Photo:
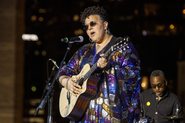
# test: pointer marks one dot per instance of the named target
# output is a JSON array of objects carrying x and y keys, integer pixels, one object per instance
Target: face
[
  {"x": 95, "y": 28},
  {"x": 158, "y": 85}
]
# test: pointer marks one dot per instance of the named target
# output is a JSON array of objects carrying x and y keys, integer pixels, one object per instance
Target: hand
[
  {"x": 72, "y": 85},
  {"x": 102, "y": 62}
]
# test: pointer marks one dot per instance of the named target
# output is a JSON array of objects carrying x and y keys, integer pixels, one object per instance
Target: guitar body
[{"x": 74, "y": 107}]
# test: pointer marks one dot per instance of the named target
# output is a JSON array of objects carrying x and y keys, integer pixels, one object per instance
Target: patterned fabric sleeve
[
  {"x": 129, "y": 81},
  {"x": 73, "y": 66}
]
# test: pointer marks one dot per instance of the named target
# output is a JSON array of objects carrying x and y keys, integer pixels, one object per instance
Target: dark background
[{"x": 156, "y": 28}]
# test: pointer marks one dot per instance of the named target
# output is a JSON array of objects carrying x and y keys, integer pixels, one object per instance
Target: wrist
[
  {"x": 63, "y": 80},
  {"x": 66, "y": 84}
]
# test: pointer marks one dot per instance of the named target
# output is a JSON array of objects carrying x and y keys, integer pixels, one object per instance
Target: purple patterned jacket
[{"x": 119, "y": 83}]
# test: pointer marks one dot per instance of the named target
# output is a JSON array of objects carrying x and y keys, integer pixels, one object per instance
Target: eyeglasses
[
  {"x": 91, "y": 24},
  {"x": 159, "y": 85}
]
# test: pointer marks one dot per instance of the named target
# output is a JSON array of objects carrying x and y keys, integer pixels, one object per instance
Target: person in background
[
  {"x": 115, "y": 73},
  {"x": 158, "y": 104}
]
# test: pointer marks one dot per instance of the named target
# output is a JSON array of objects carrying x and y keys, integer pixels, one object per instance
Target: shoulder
[
  {"x": 173, "y": 95},
  {"x": 82, "y": 50},
  {"x": 85, "y": 47}
]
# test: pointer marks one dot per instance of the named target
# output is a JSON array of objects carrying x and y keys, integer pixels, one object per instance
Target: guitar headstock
[{"x": 121, "y": 45}]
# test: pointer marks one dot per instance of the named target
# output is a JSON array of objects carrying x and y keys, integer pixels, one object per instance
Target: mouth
[
  {"x": 158, "y": 93},
  {"x": 92, "y": 34}
]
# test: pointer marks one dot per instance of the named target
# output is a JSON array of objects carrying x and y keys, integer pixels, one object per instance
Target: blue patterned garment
[{"x": 119, "y": 84}]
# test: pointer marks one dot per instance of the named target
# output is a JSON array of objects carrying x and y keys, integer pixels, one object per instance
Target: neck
[
  {"x": 104, "y": 42},
  {"x": 158, "y": 98}
]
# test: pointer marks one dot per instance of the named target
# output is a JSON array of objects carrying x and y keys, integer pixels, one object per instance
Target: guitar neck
[
  {"x": 106, "y": 54},
  {"x": 93, "y": 68},
  {"x": 88, "y": 74}
]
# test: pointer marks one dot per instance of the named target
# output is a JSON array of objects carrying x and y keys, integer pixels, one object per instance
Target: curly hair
[{"x": 94, "y": 10}]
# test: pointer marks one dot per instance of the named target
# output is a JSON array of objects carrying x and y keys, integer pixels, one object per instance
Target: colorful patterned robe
[{"x": 119, "y": 84}]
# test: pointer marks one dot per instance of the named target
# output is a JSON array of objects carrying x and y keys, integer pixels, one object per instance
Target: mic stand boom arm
[{"x": 48, "y": 95}]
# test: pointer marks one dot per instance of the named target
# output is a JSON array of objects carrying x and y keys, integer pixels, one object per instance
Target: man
[
  {"x": 111, "y": 92},
  {"x": 158, "y": 104}
]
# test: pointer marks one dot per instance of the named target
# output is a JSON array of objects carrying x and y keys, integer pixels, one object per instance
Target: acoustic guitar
[{"x": 74, "y": 106}]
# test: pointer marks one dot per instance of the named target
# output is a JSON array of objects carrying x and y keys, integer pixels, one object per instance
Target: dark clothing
[{"x": 161, "y": 111}]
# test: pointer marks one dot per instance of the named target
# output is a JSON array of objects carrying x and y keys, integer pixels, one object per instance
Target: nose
[
  {"x": 157, "y": 88},
  {"x": 89, "y": 27}
]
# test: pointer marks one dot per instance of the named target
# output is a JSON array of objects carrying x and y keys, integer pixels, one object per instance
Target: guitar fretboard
[{"x": 118, "y": 45}]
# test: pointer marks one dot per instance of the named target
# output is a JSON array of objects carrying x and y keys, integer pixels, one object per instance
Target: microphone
[
  {"x": 72, "y": 39},
  {"x": 54, "y": 62}
]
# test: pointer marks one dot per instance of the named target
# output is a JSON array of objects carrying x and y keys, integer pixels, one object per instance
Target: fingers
[
  {"x": 73, "y": 87},
  {"x": 102, "y": 62},
  {"x": 74, "y": 79},
  {"x": 76, "y": 90}
]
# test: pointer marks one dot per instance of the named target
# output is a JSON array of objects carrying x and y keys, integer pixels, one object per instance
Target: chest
[{"x": 163, "y": 107}]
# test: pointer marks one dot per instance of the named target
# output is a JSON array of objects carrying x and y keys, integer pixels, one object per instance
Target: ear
[
  {"x": 106, "y": 25},
  {"x": 166, "y": 83}
]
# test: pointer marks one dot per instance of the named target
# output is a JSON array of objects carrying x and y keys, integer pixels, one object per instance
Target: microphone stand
[{"x": 49, "y": 88}]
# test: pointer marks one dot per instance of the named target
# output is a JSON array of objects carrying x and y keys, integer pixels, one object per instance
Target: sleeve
[
  {"x": 129, "y": 76},
  {"x": 73, "y": 65},
  {"x": 178, "y": 109},
  {"x": 71, "y": 68}
]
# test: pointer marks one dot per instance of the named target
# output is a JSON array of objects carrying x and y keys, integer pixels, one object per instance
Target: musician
[
  {"x": 117, "y": 75},
  {"x": 158, "y": 103}
]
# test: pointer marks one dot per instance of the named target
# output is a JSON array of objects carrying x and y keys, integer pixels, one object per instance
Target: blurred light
[
  {"x": 144, "y": 82},
  {"x": 136, "y": 12},
  {"x": 42, "y": 10},
  {"x": 33, "y": 88},
  {"x": 34, "y": 102},
  {"x": 36, "y": 52},
  {"x": 43, "y": 53},
  {"x": 183, "y": 11},
  {"x": 33, "y": 18},
  {"x": 41, "y": 19},
  {"x": 30, "y": 37},
  {"x": 151, "y": 9},
  {"x": 76, "y": 17},
  {"x": 160, "y": 28},
  {"x": 172, "y": 26},
  {"x": 172, "y": 29},
  {"x": 144, "y": 33},
  {"x": 78, "y": 32},
  {"x": 32, "y": 112},
  {"x": 34, "y": 120}
]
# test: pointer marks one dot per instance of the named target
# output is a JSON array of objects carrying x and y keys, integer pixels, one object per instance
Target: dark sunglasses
[
  {"x": 91, "y": 24},
  {"x": 160, "y": 85}
]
